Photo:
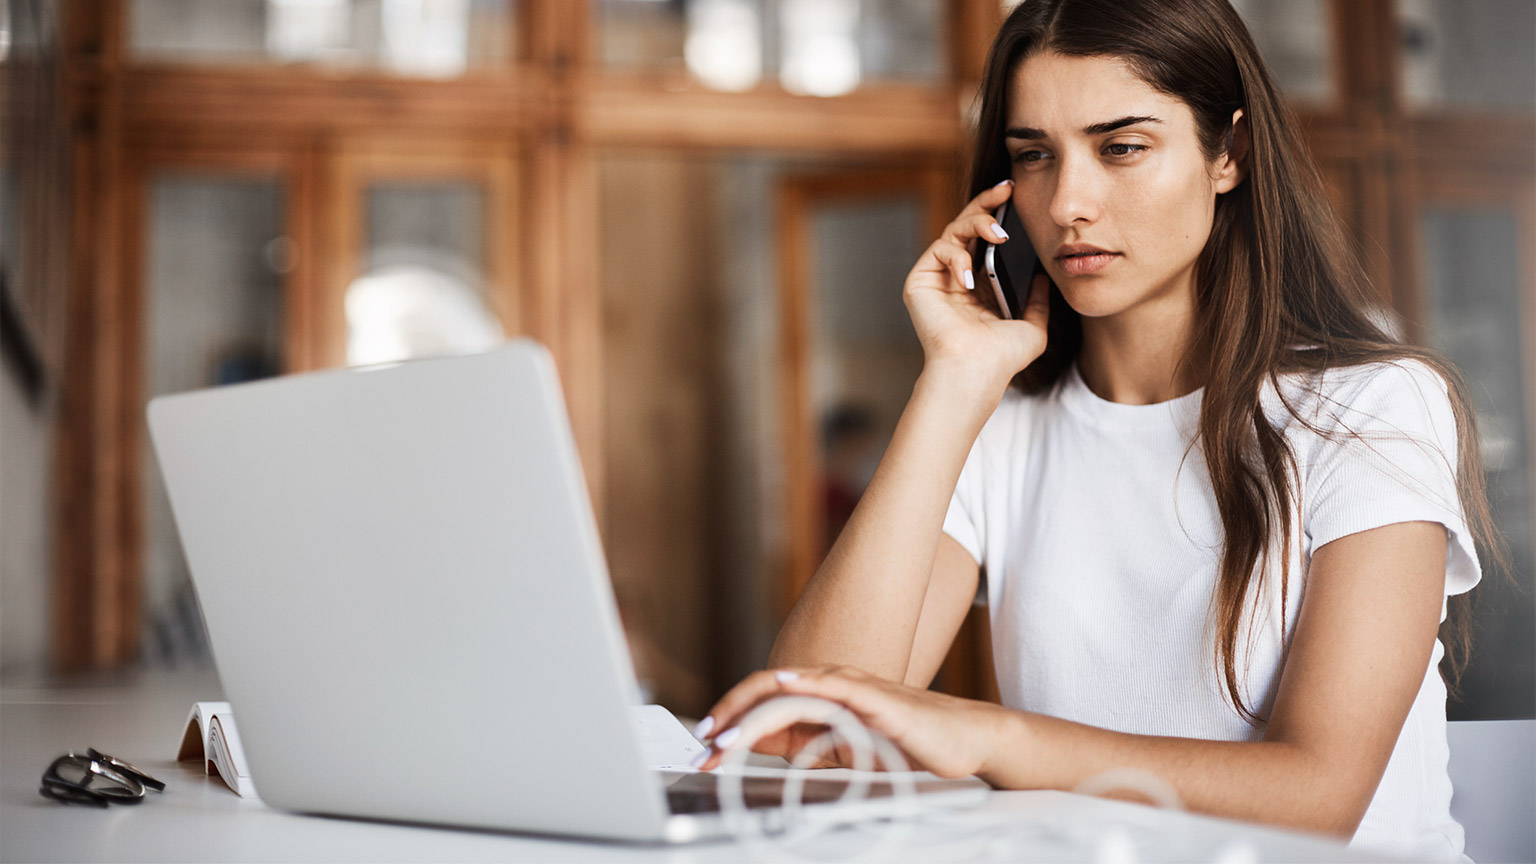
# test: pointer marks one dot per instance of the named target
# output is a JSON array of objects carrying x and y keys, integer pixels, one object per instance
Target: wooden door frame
[
  {"x": 967, "y": 670},
  {"x": 100, "y": 580},
  {"x": 1480, "y": 188},
  {"x": 351, "y": 164},
  {"x": 795, "y": 196},
  {"x": 553, "y": 105},
  {"x": 968, "y": 666},
  {"x": 314, "y": 329}
]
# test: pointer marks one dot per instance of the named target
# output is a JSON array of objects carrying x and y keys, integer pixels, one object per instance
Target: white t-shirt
[{"x": 1097, "y": 527}]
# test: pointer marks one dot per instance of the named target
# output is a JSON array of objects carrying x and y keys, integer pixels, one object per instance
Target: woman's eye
[
  {"x": 1028, "y": 157},
  {"x": 1123, "y": 150}
]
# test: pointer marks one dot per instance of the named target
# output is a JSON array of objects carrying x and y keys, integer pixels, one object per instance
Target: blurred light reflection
[
  {"x": 820, "y": 55},
  {"x": 402, "y": 312},
  {"x": 413, "y": 37},
  {"x": 724, "y": 48},
  {"x": 300, "y": 30},
  {"x": 426, "y": 37}
]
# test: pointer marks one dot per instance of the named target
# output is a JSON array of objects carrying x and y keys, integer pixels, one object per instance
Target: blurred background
[{"x": 704, "y": 207}]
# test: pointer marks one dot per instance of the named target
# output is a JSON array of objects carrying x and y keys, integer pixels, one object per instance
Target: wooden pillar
[
  {"x": 562, "y": 306},
  {"x": 302, "y": 346},
  {"x": 974, "y": 23},
  {"x": 1368, "y": 83},
  {"x": 96, "y": 598}
]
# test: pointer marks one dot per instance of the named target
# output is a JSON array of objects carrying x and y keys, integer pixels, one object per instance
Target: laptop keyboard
[{"x": 700, "y": 792}]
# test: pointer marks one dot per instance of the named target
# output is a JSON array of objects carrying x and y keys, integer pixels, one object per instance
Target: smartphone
[{"x": 1011, "y": 265}]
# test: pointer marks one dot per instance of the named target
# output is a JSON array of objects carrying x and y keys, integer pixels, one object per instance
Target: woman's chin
[
  {"x": 1094, "y": 300},
  {"x": 1093, "y": 297}
]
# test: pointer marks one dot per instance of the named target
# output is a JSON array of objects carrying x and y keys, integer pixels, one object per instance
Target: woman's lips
[{"x": 1083, "y": 265}]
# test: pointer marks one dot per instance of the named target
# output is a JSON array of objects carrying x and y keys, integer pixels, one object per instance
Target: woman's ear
[{"x": 1232, "y": 166}]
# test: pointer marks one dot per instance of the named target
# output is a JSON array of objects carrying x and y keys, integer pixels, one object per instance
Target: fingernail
[
  {"x": 727, "y": 738},
  {"x": 700, "y": 759},
  {"x": 998, "y": 232},
  {"x": 784, "y": 675},
  {"x": 970, "y": 281},
  {"x": 701, "y": 731},
  {"x": 1003, "y": 183}
]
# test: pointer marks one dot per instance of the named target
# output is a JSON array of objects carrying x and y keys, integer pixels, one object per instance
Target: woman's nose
[{"x": 1077, "y": 194}]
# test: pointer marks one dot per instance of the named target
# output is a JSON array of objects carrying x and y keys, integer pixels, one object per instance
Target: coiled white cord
[
  {"x": 947, "y": 835},
  {"x": 866, "y": 748}
]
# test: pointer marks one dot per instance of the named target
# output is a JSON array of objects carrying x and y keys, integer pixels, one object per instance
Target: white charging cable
[
  {"x": 867, "y": 748},
  {"x": 983, "y": 836}
]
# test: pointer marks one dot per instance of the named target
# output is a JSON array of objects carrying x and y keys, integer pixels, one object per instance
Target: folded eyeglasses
[{"x": 95, "y": 780}]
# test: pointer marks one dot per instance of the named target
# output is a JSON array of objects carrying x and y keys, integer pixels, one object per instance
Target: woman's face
[{"x": 1105, "y": 165}]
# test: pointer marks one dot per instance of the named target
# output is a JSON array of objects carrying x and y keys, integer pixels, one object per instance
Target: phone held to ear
[{"x": 1011, "y": 265}]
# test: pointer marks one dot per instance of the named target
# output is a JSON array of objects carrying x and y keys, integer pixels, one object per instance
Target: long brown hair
[{"x": 1275, "y": 274}]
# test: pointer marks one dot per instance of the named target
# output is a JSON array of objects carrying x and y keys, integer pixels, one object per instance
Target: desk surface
[{"x": 197, "y": 819}]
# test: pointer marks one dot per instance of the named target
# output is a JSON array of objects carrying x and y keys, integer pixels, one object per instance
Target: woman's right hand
[{"x": 955, "y": 329}]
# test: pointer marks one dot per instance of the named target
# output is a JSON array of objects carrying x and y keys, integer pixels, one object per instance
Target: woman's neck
[{"x": 1134, "y": 357}]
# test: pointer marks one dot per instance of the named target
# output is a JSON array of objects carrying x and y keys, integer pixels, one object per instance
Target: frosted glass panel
[
  {"x": 1472, "y": 283},
  {"x": 1468, "y": 52},
  {"x": 435, "y": 222},
  {"x": 213, "y": 313},
  {"x": 410, "y": 37},
  {"x": 695, "y": 517},
  {"x": 214, "y": 283},
  {"x": 814, "y": 47},
  {"x": 864, "y": 354},
  {"x": 905, "y": 40},
  {"x": 422, "y": 291},
  {"x": 1295, "y": 38}
]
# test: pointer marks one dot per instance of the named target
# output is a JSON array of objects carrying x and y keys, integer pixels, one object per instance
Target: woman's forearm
[
  {"x": 1273, "y": 782},
  {"x": 862, "y": 606}
]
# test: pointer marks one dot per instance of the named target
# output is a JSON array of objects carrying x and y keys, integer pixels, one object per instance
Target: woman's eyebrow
[{"x": 1030, "y": 133}]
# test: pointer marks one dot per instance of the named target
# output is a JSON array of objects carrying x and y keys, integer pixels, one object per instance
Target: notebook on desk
[{"x": 409, "y": 607}]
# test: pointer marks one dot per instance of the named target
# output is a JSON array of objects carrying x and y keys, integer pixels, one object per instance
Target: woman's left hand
[{"x": 946, "y": 735}]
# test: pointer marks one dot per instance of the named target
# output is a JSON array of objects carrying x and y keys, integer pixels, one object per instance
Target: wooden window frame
[
  {"x": 548, "y": 104},
  {"x": 554, "y": 110}
]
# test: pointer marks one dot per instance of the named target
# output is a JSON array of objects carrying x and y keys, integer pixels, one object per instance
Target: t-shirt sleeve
[
  {"x": 964, "y": 520},
  {"x": 1389, "y": 457}
]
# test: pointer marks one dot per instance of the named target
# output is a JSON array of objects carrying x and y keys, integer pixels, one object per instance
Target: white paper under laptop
[{"x": 407, "y": 601}]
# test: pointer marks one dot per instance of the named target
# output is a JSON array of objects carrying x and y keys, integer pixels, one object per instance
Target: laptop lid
[{"x": 406, "y": 597}]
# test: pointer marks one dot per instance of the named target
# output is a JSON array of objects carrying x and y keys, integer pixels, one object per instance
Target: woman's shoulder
[
  {"x": 1318, "y": 390},
  {"x": 1379, "y": 445},
  {"x": 1402, "y": 395}
]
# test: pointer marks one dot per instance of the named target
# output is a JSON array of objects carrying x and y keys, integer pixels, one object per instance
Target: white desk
[{"x": 197, "y": 819}]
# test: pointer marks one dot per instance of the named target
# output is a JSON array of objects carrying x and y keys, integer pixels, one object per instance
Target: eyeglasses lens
[
  {"x": 141, "y": 776},
  {"x": 73, "y": 771},
  {"x": 76, "y": 779}
]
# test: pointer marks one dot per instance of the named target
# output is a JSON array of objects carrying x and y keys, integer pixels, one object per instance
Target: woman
[{"x": 1219, "y": 511}]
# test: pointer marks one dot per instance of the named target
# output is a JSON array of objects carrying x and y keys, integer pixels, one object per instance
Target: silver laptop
[{"x": 409, "y": 607}]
